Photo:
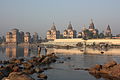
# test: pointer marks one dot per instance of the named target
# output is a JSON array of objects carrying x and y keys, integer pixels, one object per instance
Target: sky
[{"x": 39, "y": 15}]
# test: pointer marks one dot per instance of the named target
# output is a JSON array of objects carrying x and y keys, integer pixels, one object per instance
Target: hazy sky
[{"x": 38, "y": 15}]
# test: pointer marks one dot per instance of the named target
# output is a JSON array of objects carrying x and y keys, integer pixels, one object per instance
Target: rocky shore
[
  {"x": 109, "y": 71},
  {"x": 22, "y": 69}
]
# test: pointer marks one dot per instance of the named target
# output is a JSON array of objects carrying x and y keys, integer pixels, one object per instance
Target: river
[{"x": 70, "y": 58}]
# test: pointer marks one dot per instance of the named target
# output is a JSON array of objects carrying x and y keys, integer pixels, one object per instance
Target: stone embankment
[
  {"x": 21, "y": 69},
  {"x": 109, "y": 71}
]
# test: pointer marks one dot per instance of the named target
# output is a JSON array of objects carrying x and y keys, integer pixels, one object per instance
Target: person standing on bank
[
  {"x": 39, "y": 50},
  {"x": 45, "y": 50}
]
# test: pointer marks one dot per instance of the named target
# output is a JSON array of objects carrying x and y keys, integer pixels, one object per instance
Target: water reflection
[
  {"x": 2, "y": 49},
  {"x": 13, "y": 52},
  {"x": 79, "y": 58},
  {"x": 85, "y": 51},
  {"x": 26, "y": 51}
]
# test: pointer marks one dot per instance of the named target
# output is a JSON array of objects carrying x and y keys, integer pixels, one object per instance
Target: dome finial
[{"x": 53, "y": 26}]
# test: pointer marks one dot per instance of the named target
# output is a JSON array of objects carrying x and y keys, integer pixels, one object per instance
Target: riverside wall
[
  {"x": 109, "y": 41},
  {"x": 73, "y": 42}
]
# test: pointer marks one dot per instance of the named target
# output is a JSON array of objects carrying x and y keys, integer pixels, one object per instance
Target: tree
[
  {"x": 88, "y": 34},
  {"x": 101, "y": 35}
]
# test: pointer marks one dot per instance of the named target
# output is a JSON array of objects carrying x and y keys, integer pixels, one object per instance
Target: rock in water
[
  {"x": 27, "y": 65},
  {"x": 111, "y": 69},
  {"x": 110, "y": 64},
  {"x": 42, "y": 76},
  {"x": 18, "y": 76},
  {"x": 38, "y": 70}
]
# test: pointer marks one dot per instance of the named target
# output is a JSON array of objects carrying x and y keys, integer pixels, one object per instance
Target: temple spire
[
  {"x": 53, "y": 26},
  {"x": 108, "y": 28},
  {"x": 70, "y": 25},
  {"x": 91, "y": 24}
]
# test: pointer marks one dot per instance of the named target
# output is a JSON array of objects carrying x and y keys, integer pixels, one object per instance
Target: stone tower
[{"x": 53, "y": 33}]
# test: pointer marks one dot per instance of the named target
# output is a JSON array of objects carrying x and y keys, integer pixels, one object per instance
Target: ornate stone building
[
  {"x": 16, "y": 37},
  {"x": 92, "y": 28},
  {"x": 53, "y": 33},
  {"x": 27, "y": 37},
  {"x": 108, "y": 32},
  {"x": 13, "y": 36},
  {"x": 91, "y": 32},
  {"x": 69, "y": 32}
]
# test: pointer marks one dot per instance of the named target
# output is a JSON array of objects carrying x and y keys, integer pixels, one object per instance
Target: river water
[{"x": 70, "y": 58}]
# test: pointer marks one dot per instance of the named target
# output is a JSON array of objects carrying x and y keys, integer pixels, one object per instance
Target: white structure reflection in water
[{"x": 113, "y": 51}]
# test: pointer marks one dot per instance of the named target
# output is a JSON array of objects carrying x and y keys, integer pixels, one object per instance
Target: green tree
[
  {"x": 101, "y": 35},
  {"x": 88, "y": 34}
]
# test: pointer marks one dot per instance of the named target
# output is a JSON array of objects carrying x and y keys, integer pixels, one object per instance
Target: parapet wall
[
  {"x": 69, "y": 40},
  {"x": 109, "y": 41},
  {"x": 73, "y": 42},
  {"x": 90, "y": 41}
]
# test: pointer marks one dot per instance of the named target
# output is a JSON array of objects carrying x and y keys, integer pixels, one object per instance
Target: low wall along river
[{"x": 73, "y": 42}]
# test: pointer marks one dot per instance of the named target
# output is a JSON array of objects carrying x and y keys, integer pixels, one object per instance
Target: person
[
  {"x": 39, "y": 50},
  {"x": 45, "y": 50}
]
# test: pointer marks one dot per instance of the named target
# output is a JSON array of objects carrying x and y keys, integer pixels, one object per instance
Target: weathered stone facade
[
  {"x": 91, "y": 32},
  {"x": 108, "y": 33},
  {"x": 14, "y": 37},
  {"x": 53, "y": 33},
  {"x": 27, "y": 37},
  {"x": 69, "y": 32}
]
